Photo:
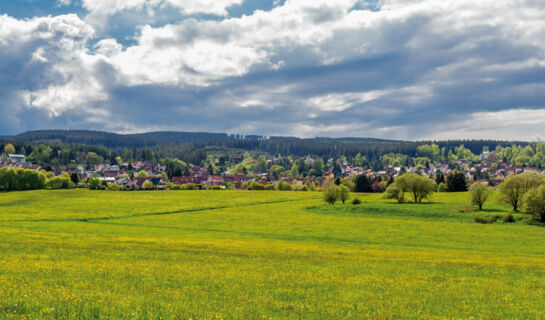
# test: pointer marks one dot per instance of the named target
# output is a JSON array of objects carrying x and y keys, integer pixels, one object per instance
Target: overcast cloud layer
[{"x": 391, "y": 69}]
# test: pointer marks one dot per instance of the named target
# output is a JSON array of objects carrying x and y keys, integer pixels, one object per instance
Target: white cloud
[
  {"x": 101, "y": 10},
  {"x": 49, "y": 57}
]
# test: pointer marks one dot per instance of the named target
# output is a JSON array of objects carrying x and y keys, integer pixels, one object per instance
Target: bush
[
  {"x": 356, "y": 201},
  {"x": 485, "y": 220},
  {"x": 113, "y": 187},
  {"x": 189, "y": 186},
  {"x": 254, "y": 185},
  {"x": 441, "y": 187},
  {"x": 282, "y": 186},
  {"x": 509, "y": 218},
  {"x": 170, "y": 186},
  {"x": 269, "y": 187},
  {"x": 59, "y": 183},
  {"x": 229, "y": 186}
]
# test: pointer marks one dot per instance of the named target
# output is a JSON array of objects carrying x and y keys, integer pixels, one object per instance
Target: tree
[
  {"x": 420, "y": 187},
  {"x": 147, "y": 185},
  {"x": 534, "y": 203},
  {"x": 93, "y": 184},
  {"x": 456, "y": 182},
  {"x": 93, "y": 158},
  {"x": 441, "y": 187},
  {"x": 261, "y": 164},
  {"x": 363, "y": 184},
  {"x": 331, "y": 193},
  {"x": 394, "y": 192},
  {"x": 344, "y": 193},
  {"x": 513, "y": 189},
  {"x": 75, "y": 178},
  {"x": 9, "y": 149},
  {"x": 479, "y": 194},
  {"x": 142, "y": 174},
  {"x": 377, "y": 187}
]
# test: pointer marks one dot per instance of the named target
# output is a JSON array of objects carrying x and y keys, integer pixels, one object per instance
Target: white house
[{"x": 17, "y": 158}]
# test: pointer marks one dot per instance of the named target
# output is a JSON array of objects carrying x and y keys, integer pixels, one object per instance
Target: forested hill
[
  {"x": 168, "y": 143},
  {"x": 115, "y": 140},
  {"x": 149, "y": 139}
]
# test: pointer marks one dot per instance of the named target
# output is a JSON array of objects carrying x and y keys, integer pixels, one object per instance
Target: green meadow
[{"x": 79, "y": 254}]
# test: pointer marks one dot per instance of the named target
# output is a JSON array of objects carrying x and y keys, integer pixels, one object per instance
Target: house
[
  {"x": 214, "y": 181},
  {"x": 17, "y": 158},
  {"x": 159, "y": 183}
]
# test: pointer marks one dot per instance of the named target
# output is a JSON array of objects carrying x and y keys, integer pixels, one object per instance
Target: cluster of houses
[{"x": 491, "y": 170}]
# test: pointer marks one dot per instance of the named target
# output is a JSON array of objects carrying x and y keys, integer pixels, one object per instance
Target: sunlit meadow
[{"x": 80, "y": 254}]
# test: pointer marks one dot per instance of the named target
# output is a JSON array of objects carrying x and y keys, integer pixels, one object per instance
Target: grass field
[{"x": 81, "y": 254}]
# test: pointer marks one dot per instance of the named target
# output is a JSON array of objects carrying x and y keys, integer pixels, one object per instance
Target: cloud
[
  {"x": 100, "y": 10},
  {"x": 406, "y": 69},
  {"x": 46, "y": 68}
]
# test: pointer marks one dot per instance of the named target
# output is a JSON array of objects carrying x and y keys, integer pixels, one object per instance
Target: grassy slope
[{"x": 248, "y": 255}]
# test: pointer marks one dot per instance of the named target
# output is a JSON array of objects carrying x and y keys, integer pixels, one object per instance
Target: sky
[{"x": 399, "y": 69}]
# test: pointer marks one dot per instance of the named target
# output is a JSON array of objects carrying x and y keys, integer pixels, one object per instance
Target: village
[{"x": 136, "y": 175}]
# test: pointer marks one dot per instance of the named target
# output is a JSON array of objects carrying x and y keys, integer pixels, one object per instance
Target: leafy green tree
[
  {"x": 261, "y": 164},
  {"x": 344, "y": 193},
  {"x": 147, "y": 185},
  {"x": 395, "y": 192},
  {"x": 331, "y": 193},
  {"x": 9, "y": 149},
  {"x": 142, "y": 174},
  {"x": 534, "y": 203},
  {"x": 441, "y": 187},
  {"x": 479, "y": 194},
  {"x": 418, "y": 186},
  {"x": 94, "y": 184},
  {"x": 318, "y": 166},
  {"x": 456, "y": 181},
  {"x": 93, "y": 158},
  {"x": 113, "y": 187},
  {"x": 513, "y": 189}
]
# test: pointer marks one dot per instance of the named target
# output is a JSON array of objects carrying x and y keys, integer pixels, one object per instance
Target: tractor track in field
[{"x": 145, "y": 214}]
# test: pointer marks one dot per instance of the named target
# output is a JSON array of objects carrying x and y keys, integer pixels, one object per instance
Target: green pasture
[{"x": 80, "y": 254}]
